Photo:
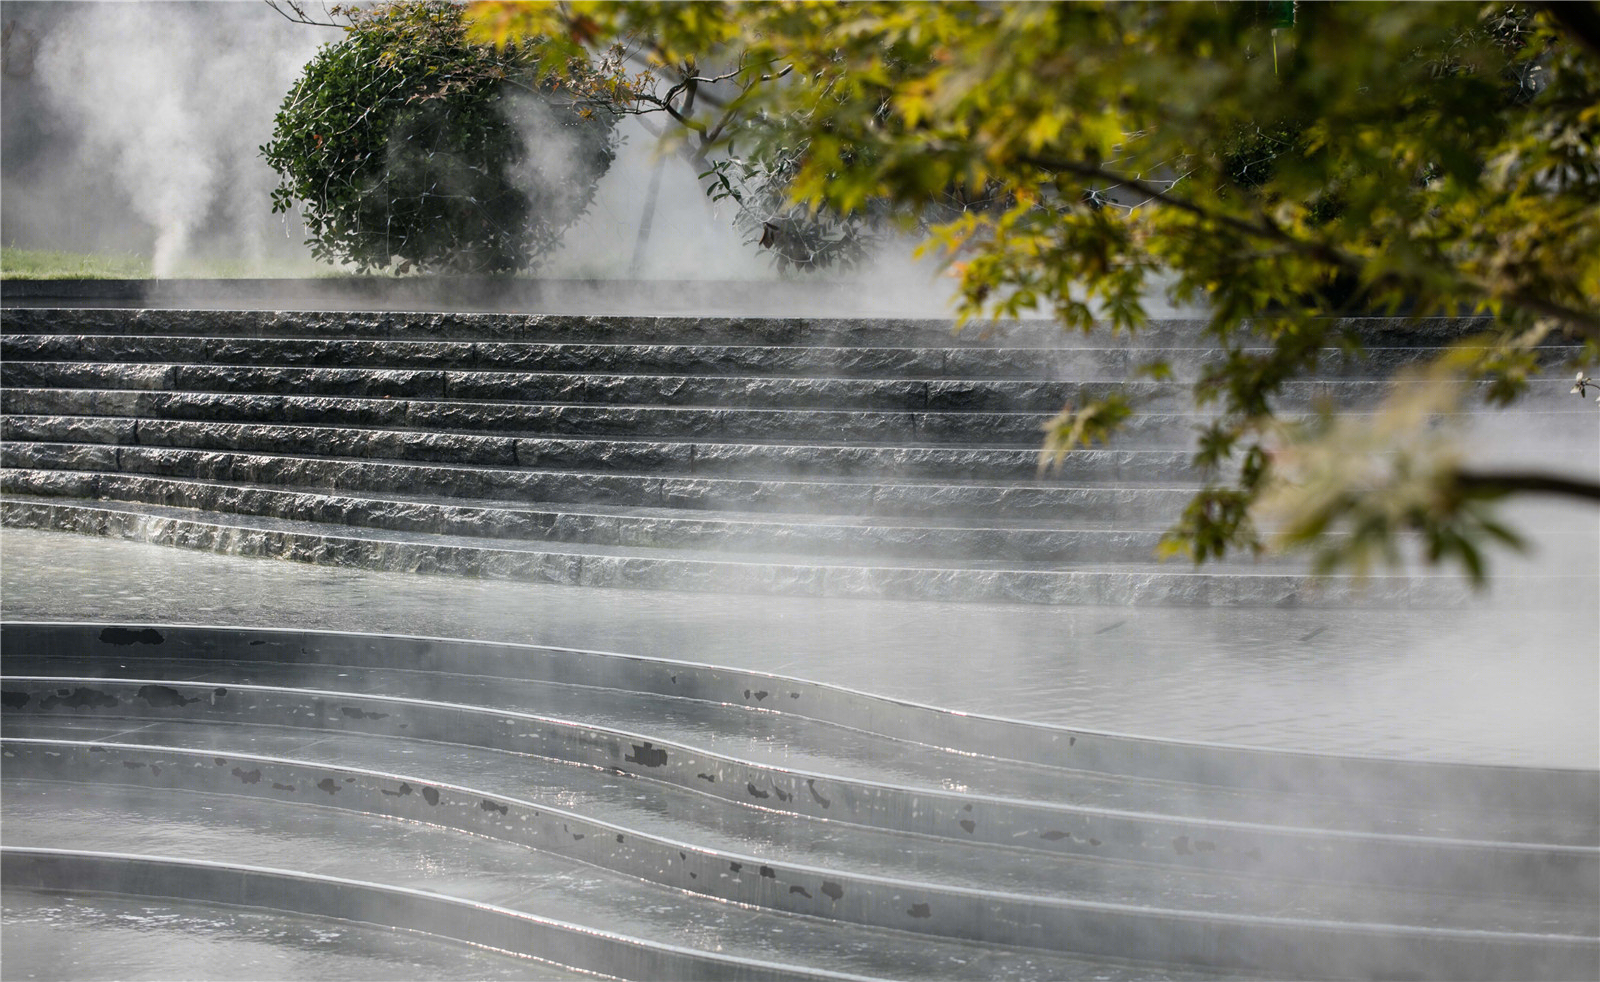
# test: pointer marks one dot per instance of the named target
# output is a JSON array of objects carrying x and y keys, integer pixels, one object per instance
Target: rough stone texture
[
  {"x": 68, "y": 429},
  {"x": 359, "y": 382},
  {"x": 1052, "y": 363},
  {"x": 639, "y": 527},
  {"x": 63, "y": 456},
  {"x": 302, "y": 542},
  {"x": 783, "y": 442},
  {"x": 610, "y": 328},
  {"x": 72, "y": 375}
]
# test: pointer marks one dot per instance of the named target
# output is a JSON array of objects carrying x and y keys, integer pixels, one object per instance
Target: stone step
[
  {"x": 914, "y": 395},
  {"x": 177, "y": 924},
  {"x": 682, "y": 458},
  {"x": 362, "y": 748},
  {"x": 1573, "y": 422},
  {"x": 870, "y": 865},
  {"x": 842, "y": 730},
  {"x": 818, "y": 535},
  {"x": 907, "y": 496},
  {"x": 645, "y": 359},
  {"x": 709, "y": 423},
  {"x": 418, "y": 870},
  {"x": 865, "y": 332},
  {"x": 715, "y": 572},
  {"x": 409, "y": 874}
]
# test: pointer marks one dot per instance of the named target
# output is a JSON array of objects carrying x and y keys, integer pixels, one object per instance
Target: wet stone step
[
  {"x": 811, "y": 535},
  {"x": 935, "y": 395},
  {"x": 1574, "y": 420},
  {"x": 1517, "y": 803},
  {"x": 567, "y": 329},
  {"x": 876, "y": 870},
  {"x": 861, "y": 426},
  {"x": 420, "y": 856},
  {"x": 638, "y": 456},
  {"x": 525, "y": 328},
  {"x": 609, "y": 329},
  {"x": 45, "y": 930},
  {"x": 638, "y": 568},
  {"x": 1120, "y": 808},
  {"x": 909, "y": 497},
  {"x": 892, "y": 362}
]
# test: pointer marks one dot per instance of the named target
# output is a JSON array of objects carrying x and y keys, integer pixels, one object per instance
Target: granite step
[
  {"x": 637, "y": 455},
  {"x": 1573, "y": 421},
  {"x": 675, "y": 330},
  {"x": 846, "y": 332},
  {"x": 710, "y": 423},
  {"x": 917, "y": 395},
  {"x": 819, "y": 535},
  {"x": 699, "y": 571},
  {"x": 659, "y": 359},
  {"x": 950, "y": 497}
]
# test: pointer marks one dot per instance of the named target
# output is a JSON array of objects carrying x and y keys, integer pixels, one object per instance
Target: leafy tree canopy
[
  {"x": 1426, "y": 157},
  {"x": 406, "y": 145}
]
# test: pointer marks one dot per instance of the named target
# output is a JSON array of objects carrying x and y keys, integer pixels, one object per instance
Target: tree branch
[
  {"x": 1265, "y": 230},
  {"x": 1583, "y": 323},
  {"x": 1502, "y": 482},
  {"x": 299, "y": 16},
  {"x": 1580, "y": 20}
]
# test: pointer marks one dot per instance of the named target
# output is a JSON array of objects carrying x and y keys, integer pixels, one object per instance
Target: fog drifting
[{"x": 134, "y": 128}]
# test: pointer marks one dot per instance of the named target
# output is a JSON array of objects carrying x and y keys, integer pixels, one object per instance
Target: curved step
[
  {"x": 337, "y": 726},
  {"x": 1079, "y": 815},
  {"x": 715, "y": 937},
  {"x": 148, "y": 939},
  {"x": 1564, "y": 795},
  {"x": 1058, "y": 909},
  {"x": 471, "y": 921}
]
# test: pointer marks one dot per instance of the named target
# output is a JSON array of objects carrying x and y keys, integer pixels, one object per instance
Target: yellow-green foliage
[{"x": 1431, "y": 157}]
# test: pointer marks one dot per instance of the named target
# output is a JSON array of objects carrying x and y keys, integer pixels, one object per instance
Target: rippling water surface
[
  {"x": 1484, "y": 683},
  {"x": 61, "y": 937}
]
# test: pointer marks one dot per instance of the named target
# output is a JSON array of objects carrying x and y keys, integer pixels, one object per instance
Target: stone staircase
[
  {"x": 526, "y": 811},
  {"x": 846, "y": 458}
]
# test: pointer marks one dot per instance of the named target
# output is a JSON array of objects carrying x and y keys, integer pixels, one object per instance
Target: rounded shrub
[{"x": 407, "y": 147}]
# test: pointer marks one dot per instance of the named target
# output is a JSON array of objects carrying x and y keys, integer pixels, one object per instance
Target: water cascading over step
[
  {"x": 846, "y": 458},
  {"x": 525, "y": 811}
]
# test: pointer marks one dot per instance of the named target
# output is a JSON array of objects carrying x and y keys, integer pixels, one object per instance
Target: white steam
[{"x": 167, "y": 104}]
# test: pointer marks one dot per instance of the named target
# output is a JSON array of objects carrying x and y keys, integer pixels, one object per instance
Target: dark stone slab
[
  {"x": 355, "y": 382},
  {"x": 645, "y": 528},
  {"x": 68, "y": 429},
  {"x": 60, "y": 456},
  {"x": 75, "y": 375}
]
